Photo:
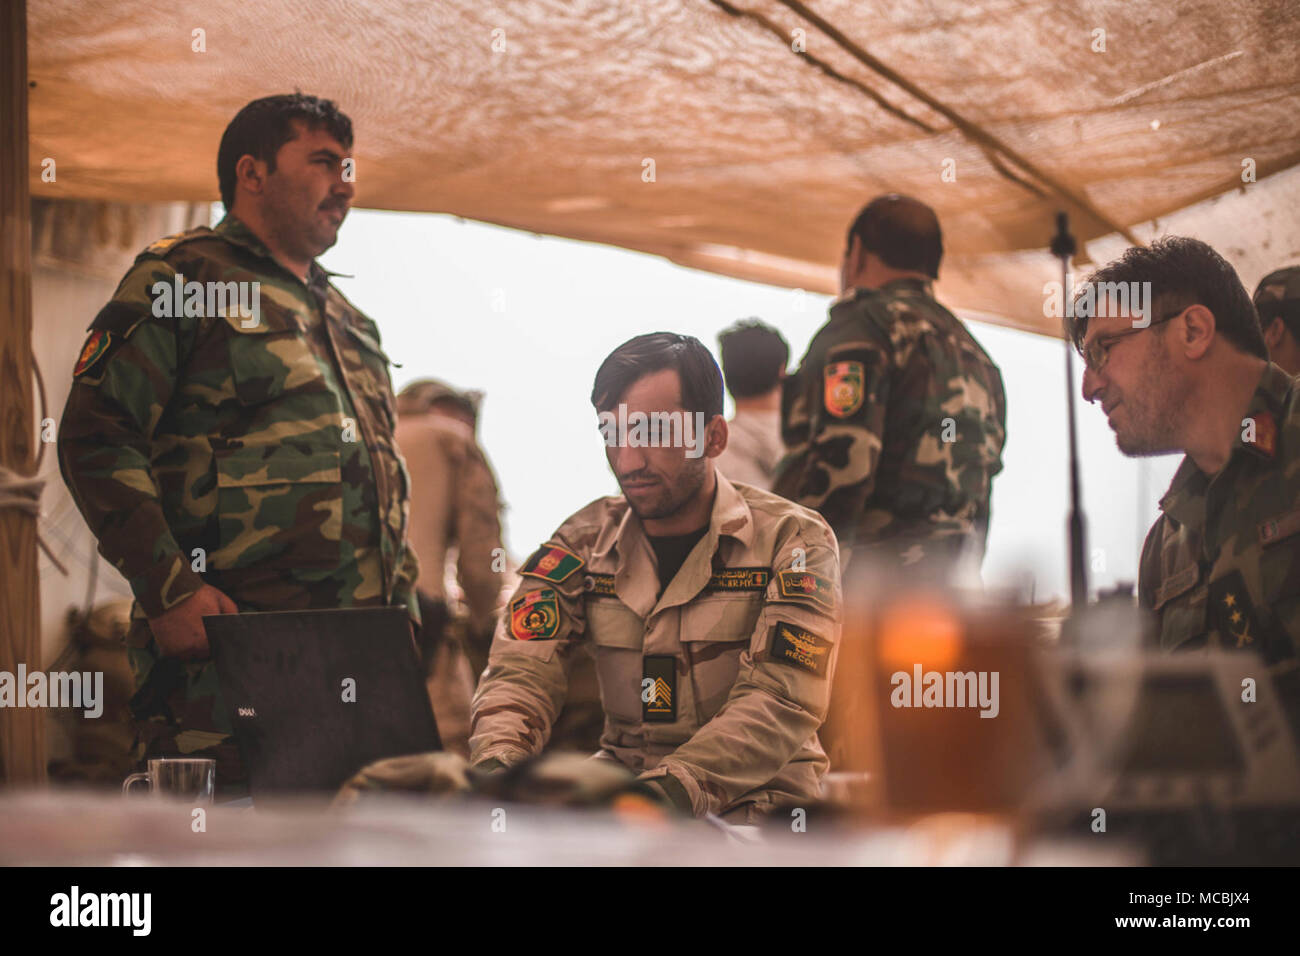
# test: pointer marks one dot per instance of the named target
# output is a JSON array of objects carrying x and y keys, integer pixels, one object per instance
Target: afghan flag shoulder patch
[
  {"x": 535, "y": 615},
  {"x": 551, "y": 563},
  {"x": 96, "y": 347},
  {"x": 844, "y": 387},
  {"x": 806, "y": 586}
]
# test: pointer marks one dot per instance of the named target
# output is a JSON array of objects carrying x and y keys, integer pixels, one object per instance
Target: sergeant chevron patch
[{"x": 659, "y": 688}]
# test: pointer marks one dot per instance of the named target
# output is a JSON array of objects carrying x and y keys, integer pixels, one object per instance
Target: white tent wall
[{"x": 80, "y": 251}]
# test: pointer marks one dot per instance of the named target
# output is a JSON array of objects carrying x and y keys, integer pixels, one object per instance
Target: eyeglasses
[{"x": 1097, "y": 352}]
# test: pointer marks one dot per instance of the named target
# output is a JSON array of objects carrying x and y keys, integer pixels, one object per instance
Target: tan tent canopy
[{"x": 766, "y": 123}]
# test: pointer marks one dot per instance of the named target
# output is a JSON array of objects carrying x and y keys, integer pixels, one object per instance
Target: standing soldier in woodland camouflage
[
  {"x": 1221, "y": 565},
  {"x": 896, "y": 418},
  {"x": 712, "y": 609},
  {"x": 229, "y": 434}
]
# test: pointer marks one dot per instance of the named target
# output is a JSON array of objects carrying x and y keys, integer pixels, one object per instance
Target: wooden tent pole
[{"x": 22, "y": 730}]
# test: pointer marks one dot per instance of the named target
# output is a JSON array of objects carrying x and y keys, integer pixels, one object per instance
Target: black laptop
[{"x": 314, "y": 696}]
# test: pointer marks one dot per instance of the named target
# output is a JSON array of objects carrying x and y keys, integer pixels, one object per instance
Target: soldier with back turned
[
  {"x": 896, "y": 418},
  {"x": 229, "y": 433}
]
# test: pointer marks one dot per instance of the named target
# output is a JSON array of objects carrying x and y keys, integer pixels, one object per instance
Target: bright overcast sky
[{"x": 528, "y": 319}]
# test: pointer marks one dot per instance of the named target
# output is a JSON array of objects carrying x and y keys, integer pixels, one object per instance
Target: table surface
[{"x": 78, "y": 828}]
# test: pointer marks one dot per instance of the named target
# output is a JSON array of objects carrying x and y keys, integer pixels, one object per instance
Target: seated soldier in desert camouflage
[{"x": 712, "y": 610}]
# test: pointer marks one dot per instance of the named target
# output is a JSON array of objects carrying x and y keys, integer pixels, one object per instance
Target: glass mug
[{"x": 192, "y": 779}]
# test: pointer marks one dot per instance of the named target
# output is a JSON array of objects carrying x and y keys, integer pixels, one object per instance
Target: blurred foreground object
[
  {"x": 433, "y": 773},
  {"x": 558, "y": 779},
  {"x": 958, "y": 707}
]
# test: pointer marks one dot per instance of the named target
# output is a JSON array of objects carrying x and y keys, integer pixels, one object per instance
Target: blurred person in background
[
  {"x": 1277, "y": 300},
  {"x": 455, "y": 517},
  {"x": 754, "y": 356}
]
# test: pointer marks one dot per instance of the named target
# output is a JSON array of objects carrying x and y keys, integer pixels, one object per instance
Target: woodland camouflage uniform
[
  {"x": 895, "y": 424},
  {"x": 1221, "y": 565},
  {"x": 267, "y": 443}
]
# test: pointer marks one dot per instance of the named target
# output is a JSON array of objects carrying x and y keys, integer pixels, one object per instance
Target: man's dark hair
[
  {"x": 638, "y": 357},
  {"x": 1182, "y": 272},
  {"x": 904, "y": 232},
  {"x": 753, "y": 357},
  {"x": 263, "y": 126}
]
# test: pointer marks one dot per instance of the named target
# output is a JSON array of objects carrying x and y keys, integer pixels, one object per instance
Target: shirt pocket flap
[
  {"x": 368, "y": 342},
  {"x": 610, "y": 623},
  {"x": 720, "y": 619},
  {"x": 1176, "y": 584}
]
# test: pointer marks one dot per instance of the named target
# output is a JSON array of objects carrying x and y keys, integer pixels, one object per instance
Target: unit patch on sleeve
[
  {"x": 739, "y": 579},
  {"x": 96, "y": 348},
  {"x": 536, "y": 614},
  {"x": 551, "y": 563},
  {"x": 843, "y": 388},
  {"x": 806, "y": 586},
  {"x": 799, "y": 648},
  {"x": 598, "y": 585}
]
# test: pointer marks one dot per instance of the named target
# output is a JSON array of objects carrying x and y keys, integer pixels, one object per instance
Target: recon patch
[
  {"x": 739, "y": 579},
  {"x": 599, "y": 585},
  {"x": 659, "y": 696},
  {"x": 96, "y": 348},
  {"x": 799, "y": 648},
  {"x": 843, "y": 388},
  {"x": 551, "y": 563},
  {"x": 806, "y": 586},
  {"x": 535, "y": 615}
]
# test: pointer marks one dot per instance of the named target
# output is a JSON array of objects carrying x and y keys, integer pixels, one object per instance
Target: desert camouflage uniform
[
  {"x": 895, "y": 423},
  {"x": 1221, "y": 565},
  {"x": 270, "y": 447},
  {"x": 715, "y": 689}
]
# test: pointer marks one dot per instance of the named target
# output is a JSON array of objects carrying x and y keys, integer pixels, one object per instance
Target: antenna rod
[{"x": 1063, "y": 247}]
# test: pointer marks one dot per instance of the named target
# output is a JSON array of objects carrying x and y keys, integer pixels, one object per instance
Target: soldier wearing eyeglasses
[{"x": 1221, "y": 565}]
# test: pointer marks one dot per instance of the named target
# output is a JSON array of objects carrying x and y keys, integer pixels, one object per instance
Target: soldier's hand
[{"x": 179, "y": 631}]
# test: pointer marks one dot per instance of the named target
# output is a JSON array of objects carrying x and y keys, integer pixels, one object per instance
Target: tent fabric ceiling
[{"x": 761, "y": 156}]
